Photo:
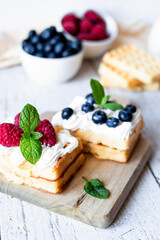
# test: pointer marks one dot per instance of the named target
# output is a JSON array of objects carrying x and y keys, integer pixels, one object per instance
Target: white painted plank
[
  {"x": 38, "y": 223},
  {"x": 12, "y": 221},
  {"x": 16, "y": 90}
]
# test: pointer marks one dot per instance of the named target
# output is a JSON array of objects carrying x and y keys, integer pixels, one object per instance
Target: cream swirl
[
  {"x": 66, "y": 143},
  {"x": 82, "y": 120}
]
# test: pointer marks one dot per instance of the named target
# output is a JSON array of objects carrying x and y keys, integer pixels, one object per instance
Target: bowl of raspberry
[
  {"x": 50, "y": 57},
  {"x": 97, "y": 33}
]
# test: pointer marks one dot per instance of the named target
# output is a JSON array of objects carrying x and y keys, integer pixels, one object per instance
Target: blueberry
[
  {"x": 48, "y": 47},
  {"x": 52, "y": 30},
  {"x": 51, "y": 55},
  {"x": 67, "y": 113},
  {"x": 54, "y": 40},
  {"x": 62, "y": 38},
  {"x": 112, "y": 122},
  {"x": 31, "y": 33},
  {"x": 59, "y": 47},
  {"x": 45, "y": 34},
  {"x": 67, "y": 53},
  {"x": 25, "y": 42},
  {"x": 99, "y": 117},
  {"x": 76, "y": 45},
  {"x": 39, "y": 46},
  {"x": 39, "y": 54},
  {"x": 130, "y": 108},
  {"x": 89, "y": 98},
  {"x": 125, "y": 116},
  {"x": 29, "y": 48},
  {"x": 34, "y": 39},
  {"x": 87, "y": 107}
]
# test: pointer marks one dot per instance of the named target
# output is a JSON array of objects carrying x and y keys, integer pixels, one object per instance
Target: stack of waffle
[
  {"x": 51, "y": 179},
  {"x": 131, "y": 68}
]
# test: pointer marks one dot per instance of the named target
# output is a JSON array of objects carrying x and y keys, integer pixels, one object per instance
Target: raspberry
[
  {"x": 10, "y": 135},
  {"x": 85, "y": 36},
  {"x": 70, "y": 27},
  {"x": 16, "y": 119},
  {"x": 44, "y": 127},
  {"x": 85, "y": 26},
  {"x": 69, "y": 17},
  {"x": 98, "y": 32},
  {"x": 102, "y": 36},
  {"x": 49, "y": 134},
  {"x": 92, "y": 16},
  {"x": 102, "y": 23}
]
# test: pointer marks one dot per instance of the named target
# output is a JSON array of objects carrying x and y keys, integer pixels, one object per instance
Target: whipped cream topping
[
  {"x": 65, "y": 143},
  {"x": 82, "y": 120}
]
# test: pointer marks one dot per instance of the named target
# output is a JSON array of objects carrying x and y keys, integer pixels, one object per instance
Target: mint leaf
[
  {"x": 105, "y": 99},
  {"x": 95, "y": 188},
  {"x": 113, "y": 106},
  {"x": 26, "y": 135},
  {"x": 31, "y": 149},
  {"x": 29, "y": 118},
  {"x": 97, "y": 91},
  {"x": 36, "y": 135}
]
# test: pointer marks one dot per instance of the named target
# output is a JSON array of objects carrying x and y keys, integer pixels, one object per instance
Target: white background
[
  {"x": 139, "y": 218},
  {"x": 19, "y": 12}
]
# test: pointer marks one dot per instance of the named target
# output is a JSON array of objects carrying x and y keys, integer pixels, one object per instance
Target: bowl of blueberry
[
  {"x": 50, "y": 57},
  {"x": 96, "y": 32}
]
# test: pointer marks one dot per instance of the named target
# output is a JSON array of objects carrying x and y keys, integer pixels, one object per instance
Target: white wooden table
[{"x": 139, "y": 217}]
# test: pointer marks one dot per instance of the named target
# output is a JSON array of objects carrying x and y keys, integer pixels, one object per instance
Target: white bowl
[
  {"x": 94, "y": 49},
  {"x": 46, "y": 71}
]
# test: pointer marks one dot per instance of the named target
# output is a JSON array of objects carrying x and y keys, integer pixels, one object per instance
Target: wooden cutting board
[{"x": 73, "y": 202}]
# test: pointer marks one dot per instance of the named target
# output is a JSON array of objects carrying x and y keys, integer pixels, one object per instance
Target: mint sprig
[
  {"x": 30, "y": 146},
  {"x": 100, "y": 98},
  {"x": 95, "y": 188}
]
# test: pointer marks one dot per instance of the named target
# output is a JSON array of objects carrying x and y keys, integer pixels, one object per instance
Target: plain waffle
[{"x": 134, "y": 61}]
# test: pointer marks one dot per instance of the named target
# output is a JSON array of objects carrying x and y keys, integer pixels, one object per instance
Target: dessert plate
[{"x": 74, "y": 202}]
